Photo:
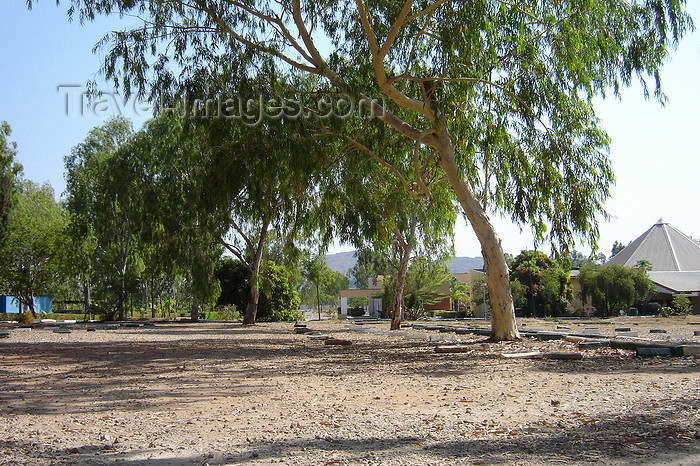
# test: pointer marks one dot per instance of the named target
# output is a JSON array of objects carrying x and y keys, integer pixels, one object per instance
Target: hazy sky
[{"x": 655, "y": 150}]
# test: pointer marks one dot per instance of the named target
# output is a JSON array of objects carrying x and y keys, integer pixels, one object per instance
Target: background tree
[
  {"x": 321, "y": 285},
  {"x": 369, "y": 264},
  {"x": 379, "y": 215},
  {"x": 32, "y": 252},
  {"x": 423, "y": 280},
  {"x": 278, "y": 301},
  {"x": 9, "y": 172},
  {"x": 545, "y": 282},
  {"x": 616, "y": 248},
  {"x": 102, "y": 197},
  {"x": 578, "y": 260},
  {"x": 459, "y": 293},
  {"x": 613, "y": 288},
  {"x": 499, "y": 93},
  {"x": 681, "y": 304}
]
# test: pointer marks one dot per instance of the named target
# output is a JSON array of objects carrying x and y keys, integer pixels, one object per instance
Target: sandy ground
[{"x": 218, "y": 393}]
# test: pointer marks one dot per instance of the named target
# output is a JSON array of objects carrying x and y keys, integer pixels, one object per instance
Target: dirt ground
[{"x": 221, "y": 393}]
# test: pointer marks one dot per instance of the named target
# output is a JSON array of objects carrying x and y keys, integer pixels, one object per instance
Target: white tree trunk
[{"x": 503, "y": 325}]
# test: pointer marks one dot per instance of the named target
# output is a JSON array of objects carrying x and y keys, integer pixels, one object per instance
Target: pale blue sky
[{"x": 655, "y": 150}]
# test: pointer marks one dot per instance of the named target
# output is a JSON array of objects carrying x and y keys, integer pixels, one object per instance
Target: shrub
[
  {"x": 226, "y": 312},
  {"x": 681, "y": 305},
  {"x": 652, "y": 309},
  {"x": 356, "y": 311},
  {"x": 666, "y": 311},
  {"x": 447, "y": 314},
  {"x": 25, "y": 318},
  {"x": 589, "y": 311},
  {"x": 287, "y": 315}
]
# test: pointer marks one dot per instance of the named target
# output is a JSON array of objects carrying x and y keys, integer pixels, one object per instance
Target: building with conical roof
[{"x": 674, "y": 260}]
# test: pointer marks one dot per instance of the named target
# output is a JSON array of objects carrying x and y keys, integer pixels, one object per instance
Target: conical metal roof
[{"x": 664, "y": 247}]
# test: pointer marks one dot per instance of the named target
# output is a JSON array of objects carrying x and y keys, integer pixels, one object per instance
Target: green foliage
[
  {"x": 10, "y": 171},
  {"x": 613, "y": 288},
  {"x": 616, "y": 248},
  {"x": 321, "y": 285},
  {"x": 578, "y": 260},
  {"x": 356, "y": 311},
  {"x": 520, "y": 296},
  {"x": 509, "y": 85},
  {"x": 224, "y": 312},
  {"x": 423, "y": 280},
  {"x": 32, "y": 252},
  {"x": 459, "y": 292},
  {"x": 544, "y": 282},
  {"x": 279, "y": 300},
  {"x": 681, "y": 304},
  {"x": 369, "y": 265}
]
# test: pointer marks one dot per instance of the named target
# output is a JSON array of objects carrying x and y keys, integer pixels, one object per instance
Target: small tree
[
  {"x": 32, "y": 251},
  {"x": 9, "y": 172},
  {"x": 681, "y": 304},
  {"x": 546, "y": 282},
  {"x": 614, "y": 287},
  {"x": 459, "y": 292}
]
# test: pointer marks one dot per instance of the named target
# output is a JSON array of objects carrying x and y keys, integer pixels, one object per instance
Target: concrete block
[
  {"x": 691, "y": 350},
  {"x": 651, "y": 352}
]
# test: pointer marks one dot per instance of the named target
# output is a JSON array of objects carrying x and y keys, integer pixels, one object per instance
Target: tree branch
[{"x": 394, "y": 31}]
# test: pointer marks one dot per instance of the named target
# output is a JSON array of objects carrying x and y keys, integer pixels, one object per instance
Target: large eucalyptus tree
[{"x": 499, "y": 92}]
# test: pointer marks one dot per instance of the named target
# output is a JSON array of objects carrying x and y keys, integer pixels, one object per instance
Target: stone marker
[
  {"x": 302, "y": 330},
  {"x": 319, "y": 337},
  {"x": 5, "y": 333},
  {"x": 689, "y": 350},
  {"x": 61, "y": 330},
  {"x": 443, "y": 337},
  {"x": 623, "y": 329},
  {"x": 651, "y": 352},
  {"x": 696, "y": 333},
  {"x": 539, "y": 355},
  {"x": 657, "y": 330},
  {"x": 23, "y": 329},
  {"x": 91, "y": 329},
  {"x": 594, "y": 344},
  {"x": 453, "y": 349},
  {"x": 563, "y": 327},
  {"x": 337, "y": 342}
]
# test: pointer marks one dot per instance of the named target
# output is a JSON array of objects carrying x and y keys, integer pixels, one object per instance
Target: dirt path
[{"x": 217, "y": 393}]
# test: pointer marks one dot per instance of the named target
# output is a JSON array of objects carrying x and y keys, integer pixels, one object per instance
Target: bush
[
  {"x": 681, "y": 305},
  {"x": 652, "y": 309},
  {"x": 356, "y": 311},
  {"x": 447, "y": 314},
  {"x": 25, "y": 318},
  {"x": 666, "y": 311},
  {"x": 226, "y": 312},
  {"x": 287, "y": 315}
]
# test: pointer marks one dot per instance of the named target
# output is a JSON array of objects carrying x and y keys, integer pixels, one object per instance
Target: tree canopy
[
  {"x": 613, "y": 288},
  {"x": 498, "y": 93},
  {"x": 32, "y": 252}
]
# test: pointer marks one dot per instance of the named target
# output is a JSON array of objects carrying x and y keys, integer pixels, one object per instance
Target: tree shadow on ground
[{"x": 101, "y": 376}]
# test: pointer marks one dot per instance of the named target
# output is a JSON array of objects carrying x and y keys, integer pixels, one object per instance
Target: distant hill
[
  {"x": 341, "y": 262},
  {"x": 344, "y": 261},
  {"x": 465, "y": 264}
]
